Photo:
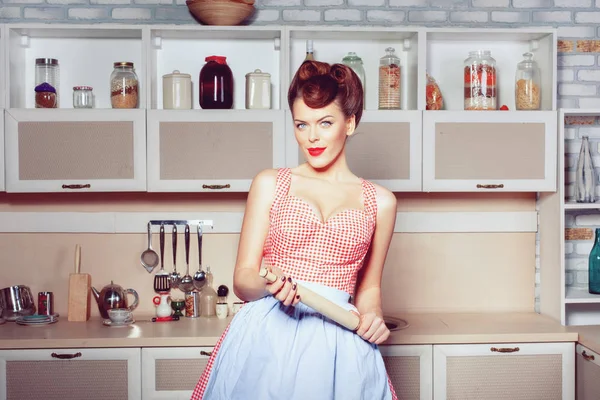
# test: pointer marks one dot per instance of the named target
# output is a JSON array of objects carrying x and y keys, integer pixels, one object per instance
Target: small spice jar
[
  {"x": 83, "y": 97},
  {"x": 177, "y": 91},
  {"x": 45, "y": 96},
  {"x": 124, "y": 91},
  {"x": 258, "y": 90}
]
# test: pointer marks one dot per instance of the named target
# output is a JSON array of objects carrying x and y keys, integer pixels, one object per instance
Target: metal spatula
[{"x": 161, "y": 279}]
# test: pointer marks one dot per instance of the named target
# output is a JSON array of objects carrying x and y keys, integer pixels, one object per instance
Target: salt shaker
[{"x": 258, "y": 90}]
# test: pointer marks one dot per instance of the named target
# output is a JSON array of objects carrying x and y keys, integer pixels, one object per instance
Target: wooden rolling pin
[{"x": 319, "y": 303}]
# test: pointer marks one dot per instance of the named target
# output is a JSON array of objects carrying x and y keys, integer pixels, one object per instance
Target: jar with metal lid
[
  {"x": 177, "y": 91},
  {"x": 83, "y": 97},
  {"x": 216, "y": 84},
  {"x": 480, "y": 81},
  {"x": 353, "y": 61},
  {"x": 527, "y": 84},
  {"x": 258, "y": 90},
  {"x": 389, "y": 80},
  {"x": 124, "y": 88},
  {"x": 47, "y": 71}
]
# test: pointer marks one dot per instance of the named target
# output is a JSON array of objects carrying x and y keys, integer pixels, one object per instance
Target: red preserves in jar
[
  {"x": 45, "y": 96},
  {"x": 216, "y": 84},
  {"x": 480, "y": 81}
]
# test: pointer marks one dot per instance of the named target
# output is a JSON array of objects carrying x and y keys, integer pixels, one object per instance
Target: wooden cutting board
[{"x": 79, "y": 291}]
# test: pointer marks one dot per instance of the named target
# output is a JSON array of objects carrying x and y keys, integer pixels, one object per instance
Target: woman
[{"x": 319, "y": 225}]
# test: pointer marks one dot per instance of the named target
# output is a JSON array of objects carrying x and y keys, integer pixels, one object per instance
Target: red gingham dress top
[
  {"x": 305, "y": 248},
  {"x": 308, "y": 249}
]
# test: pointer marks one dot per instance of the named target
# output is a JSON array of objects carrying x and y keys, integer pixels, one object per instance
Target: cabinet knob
[
  {"x": 505, "y": 349},
  {"x": 226, "y": 186},
  {"x": 65, "y": 356},
  {"x": 85, "y": 186},
  {"x": 587, "y": 357},
  {"x": 498, "y": 186}
]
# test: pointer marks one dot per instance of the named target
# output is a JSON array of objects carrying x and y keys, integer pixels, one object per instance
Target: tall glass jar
[
  {"x": 389, "y": 81},
  {"x": 527, "y": 84},
  {"x": 594, "y": 266},
  {"x": 47, "y": 71},
  {"x": 124, "y": 87},
  {"x": 216, "y": 84},
  {"x": 585, "y": 175},
  {"x": 353, "y": 61},
  {"x": 480, "y": 81}
]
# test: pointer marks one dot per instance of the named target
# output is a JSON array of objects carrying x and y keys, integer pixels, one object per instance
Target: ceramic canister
[
  {"x": 258, "y": 90},
  {"x": 177, "y": 91}
]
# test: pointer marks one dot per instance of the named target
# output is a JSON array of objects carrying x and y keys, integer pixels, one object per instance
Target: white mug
[{"x": 222, "y": 310}]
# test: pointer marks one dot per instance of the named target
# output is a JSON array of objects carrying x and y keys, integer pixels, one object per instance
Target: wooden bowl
[{"x": 220, "y": 12}]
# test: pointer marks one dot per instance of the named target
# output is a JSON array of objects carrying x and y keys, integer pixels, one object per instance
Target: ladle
[
  {"x": 187, "y": 284},
  {"x": 149, "y": 258},
  {"x": 199, "y": 276},
  {"x": 174, "y": 277}
]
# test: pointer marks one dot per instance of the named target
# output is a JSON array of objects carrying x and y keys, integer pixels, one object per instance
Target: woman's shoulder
[
  {"x": 266, "y": 180},
  {"x": 386, "y": 200}
]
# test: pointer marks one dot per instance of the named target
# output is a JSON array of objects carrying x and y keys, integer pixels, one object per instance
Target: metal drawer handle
[
  {"x": 227, "y": 186},
  {"x": 86, "y": 186},
  {"x": 587, "y": 357},
  {"x": 205, "y": 353},
  {"x": 480, "y": 186},
  {"x": 65, "y": 356},
  {"x": 505, "y": 349}
]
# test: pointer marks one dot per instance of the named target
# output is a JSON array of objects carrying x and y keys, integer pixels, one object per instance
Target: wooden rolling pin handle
[
  {"x": 77, "y": 259},
  {"x": 344, "y": 317}
]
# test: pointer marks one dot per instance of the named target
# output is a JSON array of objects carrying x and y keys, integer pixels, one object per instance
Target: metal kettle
[{"x": 114, "y": 296}]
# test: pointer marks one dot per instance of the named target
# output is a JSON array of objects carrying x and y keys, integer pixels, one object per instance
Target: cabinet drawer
[
  {"x": 172, "y": 372},
  {"x": 83, "y": 150},
  {"x": 482, "y": 150},
  {"x": 200, "y": 151},
  {"x": 588, "y": 374},
  {"x": 60, "y": 374},
  {"x": 504, "y": 371}
]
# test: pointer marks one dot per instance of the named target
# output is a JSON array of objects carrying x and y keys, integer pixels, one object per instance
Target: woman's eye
[
  {"x": 300, "y": 126},
  {"x": 326, "y": 124}
]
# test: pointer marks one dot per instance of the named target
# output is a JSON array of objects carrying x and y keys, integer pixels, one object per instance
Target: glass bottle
[
  {"x": 216, "y": 84},
  {"x": 527, "y": 84},
  {"x": 83, "y": 97},
  {"x": 47, "y": 71},
  {"x": 309, "y": 51},
  {"x": 594, "y": 266},
  {"x": 124, "y": 88},
  {"x": 585, "y": 176},
  {"x": 208, "y": 297},
  {"x": 389, "y": 81},
  {"x": 480, "y": 81},
  {"x": 353, "y": 61}
]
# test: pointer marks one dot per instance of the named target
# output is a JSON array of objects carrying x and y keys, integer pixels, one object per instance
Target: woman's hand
[
  {"x": 372, "y": 328},
  {"x": 284, "y": 289}
]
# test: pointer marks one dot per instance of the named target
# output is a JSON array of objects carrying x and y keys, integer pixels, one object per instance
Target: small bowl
[
  {"x": 220, "y": 12},
  {"x": 119, "y": 315}
]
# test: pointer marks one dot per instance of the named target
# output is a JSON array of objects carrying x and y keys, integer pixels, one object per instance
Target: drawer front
[
  {"x": 404, "y": 373},
  {"x": 588, "y": 374}
]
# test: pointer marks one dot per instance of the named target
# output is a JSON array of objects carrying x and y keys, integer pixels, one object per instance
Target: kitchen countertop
[
  {"x": 589, "y": 336},
  {"x": 422, "y": 329}
]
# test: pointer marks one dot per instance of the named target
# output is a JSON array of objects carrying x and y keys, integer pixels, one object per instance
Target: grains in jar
[
  {"x": 527, "y": 95},
  {"x": 124, "y": 87},
  {"x": 389, "y": 81}
]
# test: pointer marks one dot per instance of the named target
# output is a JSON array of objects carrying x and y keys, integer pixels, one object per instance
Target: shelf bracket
[
  {"x": 24, "y": 40},
  {"x": 406, "y": 45},
  {"x": 157, "y": 42},
  {"x": 534, "y": 45},
  {"x": 277, "y": 44}
]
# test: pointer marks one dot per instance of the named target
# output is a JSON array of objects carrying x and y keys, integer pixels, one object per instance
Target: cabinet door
[
  {"x": 504, "y": 371},
  {"x": 588, "y": 374},
  {"x": 75, "y": 150},
  {"x": 196, "y": 151},
  {"x": 385, "y": 149},
  {"x": 410, "y": 370},
  {"x": 471, "y": 151},
  {"x": 62, "y": 374},
  {"x": 2, "y": 179},
  {"x": 172, "y": 372}
]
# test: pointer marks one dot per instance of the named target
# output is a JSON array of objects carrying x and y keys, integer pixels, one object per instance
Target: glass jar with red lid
[{"x": 216, "y": 84}]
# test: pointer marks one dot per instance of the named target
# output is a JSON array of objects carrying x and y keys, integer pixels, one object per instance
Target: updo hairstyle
[{"x": 320, "y": 84}]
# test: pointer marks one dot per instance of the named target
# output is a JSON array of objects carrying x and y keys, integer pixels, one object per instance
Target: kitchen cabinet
[
  {"x": 216, "y": 150},
  {"x": 385, "y": 149},
  {"x": 410, "y": 369},
  {"x": 172, "y": 372},
  {"x": 60, "y": 374},
  {"x": 2, "y": 178},
  {"x": 75, "y": 150},
  {"x": 504, "y": 371},
  {"x": 588, "y": 374},
  {"x": 489, "y": 151}
]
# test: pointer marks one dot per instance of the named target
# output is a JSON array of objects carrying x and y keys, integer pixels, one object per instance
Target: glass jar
[
  {"x": 216, "y": 84},
  {"x": 83, "y": 97},
  {"x": 389, "y": 81},
  {"x": 527, "y": 84},
  {"x": 208, "y": 297},
  {"x": 124, "y": 89},
  {"x": 353, "y": 61},
  {"x": 47, "y": 71},
  {"x": 45, "y": 96},
  {"x": 480, "y": 81}
]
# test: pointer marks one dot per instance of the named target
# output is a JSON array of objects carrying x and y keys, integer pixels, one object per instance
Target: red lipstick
[{"x": 316, "y": 151}]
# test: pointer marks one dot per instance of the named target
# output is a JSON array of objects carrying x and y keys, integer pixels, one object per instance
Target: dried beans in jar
[
  {"x": 480, "y": 81},
  {"x": 124, "y": 87}
]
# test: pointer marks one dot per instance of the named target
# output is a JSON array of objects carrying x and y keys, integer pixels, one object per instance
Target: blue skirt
[{"x": 276, "y": 352}]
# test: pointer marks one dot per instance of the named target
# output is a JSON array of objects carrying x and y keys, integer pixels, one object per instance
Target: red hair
[{"x": 320, "y": 84}]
